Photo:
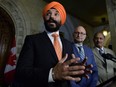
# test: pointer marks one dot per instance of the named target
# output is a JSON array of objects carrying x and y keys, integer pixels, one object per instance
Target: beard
[{"x": 50, "y": 27}]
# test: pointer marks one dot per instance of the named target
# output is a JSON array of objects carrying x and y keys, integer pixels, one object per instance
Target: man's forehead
[
  {"x": 53, "y": 9},
  {"x": 100, "y": 35},
  {"x": 81, "y": 29}
]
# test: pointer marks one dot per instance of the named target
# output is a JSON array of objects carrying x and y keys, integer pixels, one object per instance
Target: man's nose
[
  {"x": 52, "y": 16},
  {"x": 98, "y": 39}
]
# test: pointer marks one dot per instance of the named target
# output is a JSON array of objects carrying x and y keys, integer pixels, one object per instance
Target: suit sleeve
[
  {"x": 26, "y": 71},
  {"x": 94, "y": 75},
  {"x": 114, "y": 62}
]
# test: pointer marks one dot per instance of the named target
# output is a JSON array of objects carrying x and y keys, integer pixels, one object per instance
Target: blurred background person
[{"x": 104, "y": 57}]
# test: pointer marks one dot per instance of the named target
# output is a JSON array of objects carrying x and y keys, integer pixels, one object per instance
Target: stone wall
[{"x": 111, "y": 9}]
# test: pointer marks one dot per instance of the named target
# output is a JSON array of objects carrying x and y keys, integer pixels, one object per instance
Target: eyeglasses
[{"x": 81, "y": 33}]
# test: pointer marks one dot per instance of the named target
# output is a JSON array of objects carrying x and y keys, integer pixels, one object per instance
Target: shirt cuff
[{"x": 50, "y": 79}]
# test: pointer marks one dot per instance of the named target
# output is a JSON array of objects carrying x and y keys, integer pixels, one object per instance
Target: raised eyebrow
[
  {"x": 48, "y": 11},
  {"x": 57, "y": 11},
  {"x": 80, "y": 32}
]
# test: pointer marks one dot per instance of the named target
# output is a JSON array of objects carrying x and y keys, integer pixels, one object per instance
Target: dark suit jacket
[{"x": 36, "y": 59}]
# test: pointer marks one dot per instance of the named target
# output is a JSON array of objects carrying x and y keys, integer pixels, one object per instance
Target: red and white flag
[{"x": 11, "y": 64}]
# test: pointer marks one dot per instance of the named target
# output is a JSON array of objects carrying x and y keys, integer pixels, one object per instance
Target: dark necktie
[
  {"x": 101, "y": 51},
  {"x": 81, "y": 52},
  {"x": 105, "y": 63}
]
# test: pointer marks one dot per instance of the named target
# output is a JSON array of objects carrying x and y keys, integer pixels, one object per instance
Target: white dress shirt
[{"x": 50, "y": 79}]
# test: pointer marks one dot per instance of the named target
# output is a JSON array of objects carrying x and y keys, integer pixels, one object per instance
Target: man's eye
[
  {"x": 47, "y": 14},
  {"x": 56, "y": 14}
]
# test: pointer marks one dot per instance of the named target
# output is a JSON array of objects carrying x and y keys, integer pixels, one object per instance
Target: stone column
[{"x": 111, "y": 9}]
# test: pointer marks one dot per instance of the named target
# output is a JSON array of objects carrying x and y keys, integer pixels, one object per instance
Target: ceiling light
[{"x": 105, "y": 32}]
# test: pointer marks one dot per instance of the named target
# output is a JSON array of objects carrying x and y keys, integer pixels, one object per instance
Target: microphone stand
[{"x": 109, "y": 57}]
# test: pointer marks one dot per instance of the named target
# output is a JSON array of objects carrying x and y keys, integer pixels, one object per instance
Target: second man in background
[{"x": 83, "y": 51}]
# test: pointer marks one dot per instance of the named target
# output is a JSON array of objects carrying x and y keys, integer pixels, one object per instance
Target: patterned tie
[
  {"x": 101, "y": 51},
  {"x": 57, "y": 46},
  {"x": 81, "y": 52}
]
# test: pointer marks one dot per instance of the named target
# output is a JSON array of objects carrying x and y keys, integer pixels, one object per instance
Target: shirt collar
[
  {"x": 50, "y": 33},
  {"x": 78, "y": 45},
  {"x": 102, "y": 48}
]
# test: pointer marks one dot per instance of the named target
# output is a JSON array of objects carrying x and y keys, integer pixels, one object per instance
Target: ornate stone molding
[
  {"x": 19, "y": 19},
  {"x": 113, "y": 3}
]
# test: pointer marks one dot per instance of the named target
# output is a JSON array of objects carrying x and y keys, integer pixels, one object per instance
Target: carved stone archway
[
  {"x": 7, "y": 33},
  {"x": 13, "y": 23},
  {"x": 20, "y": 20}
]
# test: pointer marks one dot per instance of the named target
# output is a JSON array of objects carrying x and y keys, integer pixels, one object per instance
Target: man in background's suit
[
  {"x": 39, "y": 65},
  {"x": 79, "y": 37},
  {"x": 106, "y": 66}
]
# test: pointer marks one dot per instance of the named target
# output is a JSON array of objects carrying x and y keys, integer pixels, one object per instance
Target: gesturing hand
[
  {"x": 63, "y": 70},
  {"x": 87, "y": 68}
]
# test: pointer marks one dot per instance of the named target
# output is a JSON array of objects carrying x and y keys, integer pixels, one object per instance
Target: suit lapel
[
  {"x": 48, "y": 43},
  {"x": 63, "y": 47},
  {"x": 98, "y": 55},
  {"x": 87, "y": 53},
  {"x": 76, "y": 52}
]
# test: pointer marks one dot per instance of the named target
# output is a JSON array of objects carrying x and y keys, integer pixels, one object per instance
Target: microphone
[{"x": 109, "y": 57}]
